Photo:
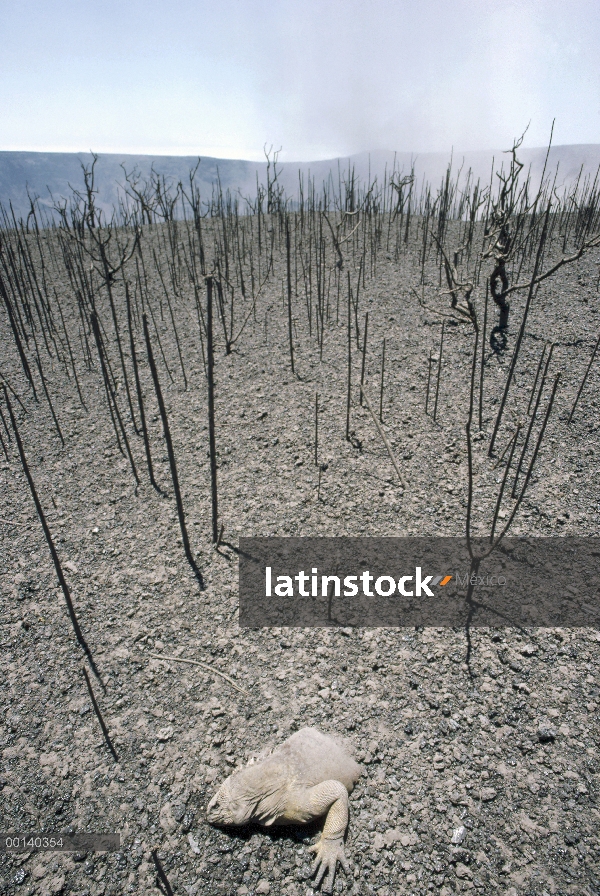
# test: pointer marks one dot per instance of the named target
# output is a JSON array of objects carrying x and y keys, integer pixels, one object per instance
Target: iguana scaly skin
[{"x": 309, "y": 775}]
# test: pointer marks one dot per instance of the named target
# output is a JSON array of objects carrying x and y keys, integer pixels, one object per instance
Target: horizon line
[{"x": 192, "y": 155}]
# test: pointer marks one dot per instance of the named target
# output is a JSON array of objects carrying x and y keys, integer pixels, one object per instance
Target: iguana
[{"x": 309, "y": 775}]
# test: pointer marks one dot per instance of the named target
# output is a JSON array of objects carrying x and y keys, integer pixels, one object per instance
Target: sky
[{"x": 314, "y": 78}]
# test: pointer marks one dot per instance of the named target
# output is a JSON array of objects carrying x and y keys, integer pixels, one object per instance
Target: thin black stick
[
  {"x": 381, "y": 389},
  {"x": 170, "y": 452},
  {"x": 163, "y": 877},
  {"x": 289, "y": 290},
  {"x": 585, "y": 376},
  {"x": 18, "y": 343},
  {"x": 111, "y": 397},
  {"x": 537, "y": 376},
  {"x": 513, "y": 444},
  {"x": 211, "y": 407},
  {"x": 158, "y": 268},
  {"x": 70, "y": 353},
  {"x": 384, "y": 437},
  {"x": 201, "y": 325},
  {"x": 439, "y": 371},
  {"x": 316, "y": 429},
  {"x": 3, "y": 419},
  {"x": 428, "y": 381},
  {"x": 47, "y": 394},
  {"x": 109, "y": 290},
  {"x": 58, "y": 568},
  {"x": 349, "y": 393},
  {"x": 531, "y": 465},
  {"x": 5, "y": 382},
  {"x": 109, "y": 742},
  {"x": 469, "y": 423},
  {"x": 531, "y": 422},
  {"x": 482, "y": 368},
  {"x": 140, "y": 396},
  {"x": 508, "y": 445},
  {"x": 364, "y": 357}
]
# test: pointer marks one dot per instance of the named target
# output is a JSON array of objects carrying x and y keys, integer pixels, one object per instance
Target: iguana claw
[{"x": 329, "y": 853}]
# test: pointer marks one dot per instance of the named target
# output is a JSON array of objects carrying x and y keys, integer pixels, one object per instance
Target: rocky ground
[{"x": 476, "y": 778}]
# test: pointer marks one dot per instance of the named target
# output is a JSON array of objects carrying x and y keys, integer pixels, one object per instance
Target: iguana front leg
[{"x": 332, "y": 796}]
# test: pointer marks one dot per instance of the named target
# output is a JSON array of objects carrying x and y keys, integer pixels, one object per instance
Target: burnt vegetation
[{"x": 384, "y": 358}]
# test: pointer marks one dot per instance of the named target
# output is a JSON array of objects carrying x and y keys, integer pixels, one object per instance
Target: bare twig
[
  {"x": 211, "y": 407},
  {"x": 180, "y": 659},
  {"x": 383, "y": 436},
  {"x": 439, "y": 371},
  {"x": 161, "y": 874},
  {"x": 585, "y": 376},
  {"x": 109, "y": 742},
  {"x": 57, "y": 565}
]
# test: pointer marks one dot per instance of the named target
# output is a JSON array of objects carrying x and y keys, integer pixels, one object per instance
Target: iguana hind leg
[{"x": 330, "y": 797}]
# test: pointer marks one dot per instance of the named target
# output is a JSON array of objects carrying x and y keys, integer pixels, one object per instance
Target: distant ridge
[{"x": 45, "y": 172}]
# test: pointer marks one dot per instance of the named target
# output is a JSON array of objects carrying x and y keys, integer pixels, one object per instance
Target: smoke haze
[{"x": 319, "y": 78}]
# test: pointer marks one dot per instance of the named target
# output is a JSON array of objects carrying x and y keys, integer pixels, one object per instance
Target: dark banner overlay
[
  {"x": 58, "y": 842},
  {"x": 391, "y": 582}
]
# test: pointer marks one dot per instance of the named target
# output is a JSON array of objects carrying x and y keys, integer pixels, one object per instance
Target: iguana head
[{"x": 231, "y": 804}]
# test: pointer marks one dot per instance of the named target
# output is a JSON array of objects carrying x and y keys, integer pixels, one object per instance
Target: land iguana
[{"x": 309, "y": 775}]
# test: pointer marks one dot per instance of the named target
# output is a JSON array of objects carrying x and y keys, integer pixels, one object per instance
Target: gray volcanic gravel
[{"x": 478, "y": 778}]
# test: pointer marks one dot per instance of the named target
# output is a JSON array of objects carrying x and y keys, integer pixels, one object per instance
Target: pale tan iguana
[{"x": 309, "y": 775}]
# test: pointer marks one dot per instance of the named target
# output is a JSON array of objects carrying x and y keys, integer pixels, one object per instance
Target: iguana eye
[{"x": 213, "y": 807}]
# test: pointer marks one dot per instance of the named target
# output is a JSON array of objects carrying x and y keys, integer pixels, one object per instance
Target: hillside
[{"x": 48, "y": 174}]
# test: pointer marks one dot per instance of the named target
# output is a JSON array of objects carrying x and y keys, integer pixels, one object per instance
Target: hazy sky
[{"x": 319, "y": 78}]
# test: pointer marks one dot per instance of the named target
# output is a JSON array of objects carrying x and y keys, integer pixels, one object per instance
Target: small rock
[
  {"x": 178, "y": 811},
  {"x": 458, "y": 835},
  {"x": 487, "y": 794},
  {"x": 391, "y": 836},
  {"x": 263, "y": 887},
  {"x": 409, "y": 839},
  {"x": 165, "y": 734},
  {"x": 462, "y": 871},
  {"x": 194, "y": 846},
  {"x": 546, "y": 733}
]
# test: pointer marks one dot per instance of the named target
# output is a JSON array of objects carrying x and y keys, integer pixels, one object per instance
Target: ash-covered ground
[{"x": 477, "y": 778}]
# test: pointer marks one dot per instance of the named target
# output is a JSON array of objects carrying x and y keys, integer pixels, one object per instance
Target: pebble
[
  {"x": 546, "y": 733},
  {"x": 165, "y": 734},
  {"x": 458, "y": 835},
  {"x": 462, "y": 871}
]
